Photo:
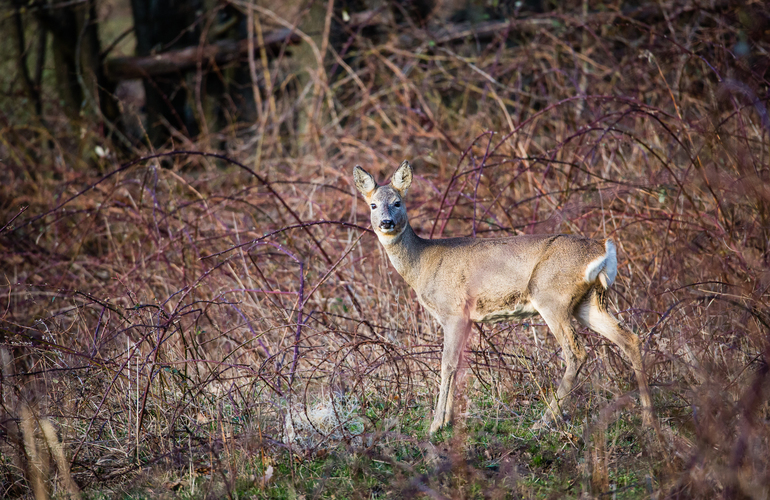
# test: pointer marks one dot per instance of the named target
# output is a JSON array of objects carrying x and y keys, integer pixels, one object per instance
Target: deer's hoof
[{"x": 439, "y": 423}]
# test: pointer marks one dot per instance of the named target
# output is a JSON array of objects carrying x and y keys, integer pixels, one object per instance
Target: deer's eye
[
  {"x": 397, "y": 204},
  {"x": 373, "y": 206}
]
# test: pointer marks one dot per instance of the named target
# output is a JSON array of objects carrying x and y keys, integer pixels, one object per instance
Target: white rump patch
[{"x": 605, "y": 268}]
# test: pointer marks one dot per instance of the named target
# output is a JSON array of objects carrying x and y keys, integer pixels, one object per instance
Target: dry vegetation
[{"x": 219, "y": 321}]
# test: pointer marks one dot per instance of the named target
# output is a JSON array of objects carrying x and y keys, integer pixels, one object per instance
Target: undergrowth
[{"x": 204, "y": 322}]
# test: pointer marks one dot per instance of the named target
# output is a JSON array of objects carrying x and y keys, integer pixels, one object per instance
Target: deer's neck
[{"x": 404, "y": 252}]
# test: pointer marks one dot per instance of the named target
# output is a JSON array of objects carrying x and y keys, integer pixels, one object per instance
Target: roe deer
[{"x": 465, "y": 280}]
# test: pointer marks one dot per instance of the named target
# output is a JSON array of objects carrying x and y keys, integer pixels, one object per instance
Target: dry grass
[{"x": 167, "y": 311}]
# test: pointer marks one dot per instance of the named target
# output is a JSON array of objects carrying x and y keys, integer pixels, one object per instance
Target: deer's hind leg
[
  {"x": 456, "y": 331},
  {"x": 558, "y": 321},
  {"x": 593, "y": 313}
]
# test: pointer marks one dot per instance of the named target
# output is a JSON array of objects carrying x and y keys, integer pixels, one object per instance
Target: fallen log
[
  {"x": 221, "y": 52},
  {"x": 124, "y": 68}
]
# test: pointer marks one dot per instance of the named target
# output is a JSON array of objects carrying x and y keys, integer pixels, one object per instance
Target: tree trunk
[
  {"x": 82, "y": 85},
  {"x": 18, "y": 36},
  {"x": 162, "y": 25}
]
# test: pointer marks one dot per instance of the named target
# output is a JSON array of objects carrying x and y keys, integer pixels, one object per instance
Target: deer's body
[
  {"x": 465, "y": 280},
  {"x": 497, "y": 279}
]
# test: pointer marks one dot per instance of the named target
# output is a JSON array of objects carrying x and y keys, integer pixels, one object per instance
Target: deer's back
[{"x": 496, "y": 279}]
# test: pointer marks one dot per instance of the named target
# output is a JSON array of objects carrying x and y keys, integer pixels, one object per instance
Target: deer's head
[{"x": 388, "y": 210}]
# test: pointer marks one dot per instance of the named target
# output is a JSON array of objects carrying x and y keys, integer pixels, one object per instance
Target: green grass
[
  {"x": 480, "y": 457},
  {"x": 149, "y": 289}
]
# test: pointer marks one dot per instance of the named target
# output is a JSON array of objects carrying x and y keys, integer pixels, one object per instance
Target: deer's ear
[
  {"x": 364, "y": 181},
  {"x": 402, "y": 179}
]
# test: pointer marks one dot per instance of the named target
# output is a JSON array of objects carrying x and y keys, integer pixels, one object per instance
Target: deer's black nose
[{"x": 387, "y": 224}]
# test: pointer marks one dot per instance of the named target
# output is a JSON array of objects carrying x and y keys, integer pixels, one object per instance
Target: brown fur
[{"x": 465, "y": 280}]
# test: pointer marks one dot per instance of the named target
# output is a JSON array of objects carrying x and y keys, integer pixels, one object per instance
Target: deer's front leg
[{"x": 456, "y": 331}]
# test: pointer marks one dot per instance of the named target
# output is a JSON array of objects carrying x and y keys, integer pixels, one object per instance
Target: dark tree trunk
[
  {"x": 80, "y": 78},
  {"x": 17, "y": 34},
  {"x": 162, "y": 25}
]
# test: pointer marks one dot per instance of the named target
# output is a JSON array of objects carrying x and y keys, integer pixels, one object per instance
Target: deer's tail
[{"x": 604, "y": 268}]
